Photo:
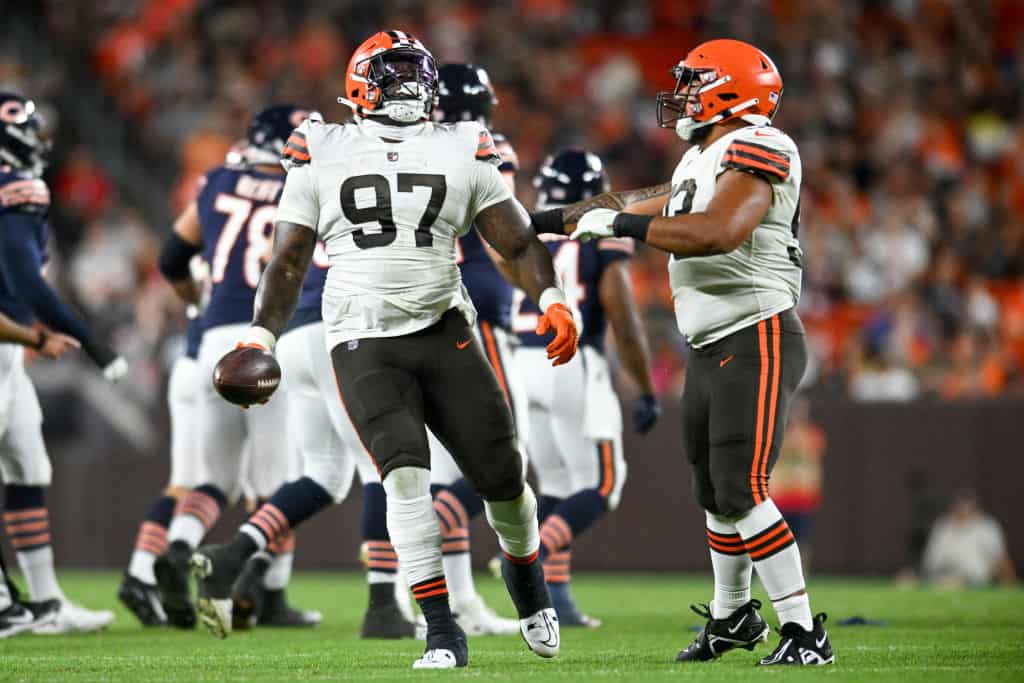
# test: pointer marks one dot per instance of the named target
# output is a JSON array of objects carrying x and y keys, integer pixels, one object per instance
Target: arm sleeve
[
  {"x": 766, "y": 155},
  {"x": 21, "y": 257},
  {"x": 299, "y": 203}
]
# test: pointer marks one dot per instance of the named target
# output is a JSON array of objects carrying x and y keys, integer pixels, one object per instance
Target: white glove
[
  {"x": 115, "y": 369},
  {"x": 595, "y": 224}
]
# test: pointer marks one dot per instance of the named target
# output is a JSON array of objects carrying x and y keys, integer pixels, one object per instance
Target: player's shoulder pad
[
  {"x": 21, "y": 191},
  {"x": 509, "y": 158},
  {"x": 477, "y": 141},
  {"x": 298, "y": 149},
  {"x": 762, "y": 150}
]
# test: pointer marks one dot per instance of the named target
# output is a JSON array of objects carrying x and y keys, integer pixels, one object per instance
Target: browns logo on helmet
[{"x": 391, "y": 75}]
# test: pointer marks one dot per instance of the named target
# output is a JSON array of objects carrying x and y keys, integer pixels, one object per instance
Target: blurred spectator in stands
[
  {"x": 796, "y": 483},
  {"x": 967, "y": 547}
]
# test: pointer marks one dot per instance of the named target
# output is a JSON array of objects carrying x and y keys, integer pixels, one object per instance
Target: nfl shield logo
[
  {"x": 353, "y": 344},
  {"x": 392, "y": 156}
]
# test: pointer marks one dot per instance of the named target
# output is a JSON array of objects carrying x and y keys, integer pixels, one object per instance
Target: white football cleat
[
  {"x": 215, "y": 613},
  {"x": 477, "y": 619},
  {"x": 72, "y": 618},
  {"x": 541, "y": 634},
  {"x": 436, "y": 659}
]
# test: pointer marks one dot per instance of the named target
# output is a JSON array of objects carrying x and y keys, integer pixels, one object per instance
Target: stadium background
[{"x": 909, "y": 119}]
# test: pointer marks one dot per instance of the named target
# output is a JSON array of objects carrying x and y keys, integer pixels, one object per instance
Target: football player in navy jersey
[
  {"x": 465, "y": 93},
  {"x": 231, "y": 224},
  {"x": 25, "y": 296},
  {"x": 576, "y": 435}
]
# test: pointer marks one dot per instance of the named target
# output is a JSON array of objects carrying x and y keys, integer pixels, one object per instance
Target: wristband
[
  {"x": 41, "y": 342},
  {"x": 260, "y": 336},
  {"x": 632, "y": 225},
  {"x": 551, "y": 295},
  {"x": 549, "y": 221}
]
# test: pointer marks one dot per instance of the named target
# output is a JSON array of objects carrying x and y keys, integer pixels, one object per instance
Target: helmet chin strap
[{"x": 686, "y": 125}]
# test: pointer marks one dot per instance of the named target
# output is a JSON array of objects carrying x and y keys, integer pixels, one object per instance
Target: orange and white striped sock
[
  {"x": 731, "y": 565},
  {"x": 557, "y": 567}
]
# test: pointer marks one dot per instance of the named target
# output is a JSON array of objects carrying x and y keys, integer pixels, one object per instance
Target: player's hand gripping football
[
  {"x": 559, "y": 319},
  {"x": 246, "y": 375},
  {"x": 595, "y": 224}
]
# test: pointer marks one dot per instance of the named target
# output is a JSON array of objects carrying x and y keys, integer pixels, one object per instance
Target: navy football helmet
[
  {"x": 464, "y": 93},
  {"x": 269, "y": 130},
  {"x": 570, "y": 176},
  {"x": 22, "y": 145}
]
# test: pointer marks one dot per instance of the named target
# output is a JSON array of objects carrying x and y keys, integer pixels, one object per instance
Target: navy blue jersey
[
  {"x": 311, "y": 297},
  {"x": 237, "y": 207},
  {"x": 24, "y": 204},
  {"x": 491, "y": 293},
  {"x": 193, "y": 336},
  {"x": 580, "y": 267}
]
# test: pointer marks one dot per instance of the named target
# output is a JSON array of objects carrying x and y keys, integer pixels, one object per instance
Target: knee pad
[
  {"x": 515, "y": 523},
  {"x": 501, "y": 477},
  {"x": 407, "y": 483}
]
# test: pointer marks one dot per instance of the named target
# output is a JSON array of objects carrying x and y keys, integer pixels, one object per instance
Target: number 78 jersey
[
  {"x": 718, "y": 295},
  {"x": 389, "y": 211}
]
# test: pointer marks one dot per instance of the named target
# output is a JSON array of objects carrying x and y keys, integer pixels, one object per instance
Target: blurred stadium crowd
[{"x": 908, "y": 114}]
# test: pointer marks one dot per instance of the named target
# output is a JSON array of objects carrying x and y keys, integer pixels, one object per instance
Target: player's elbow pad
[{"x": 175, "y": 256}]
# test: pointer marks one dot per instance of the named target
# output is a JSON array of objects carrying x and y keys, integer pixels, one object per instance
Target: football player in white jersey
[
  {"x": 729, "y": 219},
  {"x": 389, "y": 195}
]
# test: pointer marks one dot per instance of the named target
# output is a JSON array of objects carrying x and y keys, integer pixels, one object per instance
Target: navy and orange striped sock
[
  {"x": 557, "y": 567},
  {"x": 27, "y": 523},
  {"x": 151, "y": 539},
  {"x": 195, "y": 514},
  {"x": 292, "y": 504},
  {"x": 569, "y": 519}
]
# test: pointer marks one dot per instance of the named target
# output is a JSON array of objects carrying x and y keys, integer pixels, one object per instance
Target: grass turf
[{"x": 931, "y": 635}]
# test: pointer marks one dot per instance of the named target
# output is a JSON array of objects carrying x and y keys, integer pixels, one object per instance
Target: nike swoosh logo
[
  {"x": 732, "y": 631},
  {"x": 722, "y": 363},
  {"x": 821, "y": 643},
  {"x": 462, "y": 345},
  {"x": 25, "y": 617},
  {"x": 763, "y": 134}
]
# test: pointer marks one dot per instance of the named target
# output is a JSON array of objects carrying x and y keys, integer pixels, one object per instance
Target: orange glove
[{"x": 559, "y": 319}]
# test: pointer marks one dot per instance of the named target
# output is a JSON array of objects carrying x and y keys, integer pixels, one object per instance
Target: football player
[
  {"x": 575, "y": 419},
  {"x": 729, "y": 219},
  {"x": 230, "y": 221},
  {"x": 24, "y": 296},
  {"x": 46, "y": 342},
  {"x": 465, "y": 93},
  {"x": 389, "y": 194}
]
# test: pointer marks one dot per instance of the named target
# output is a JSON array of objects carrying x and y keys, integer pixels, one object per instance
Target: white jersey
[
  {"x": 718, "y": 295},
  {"x": 389, "y": 204}
]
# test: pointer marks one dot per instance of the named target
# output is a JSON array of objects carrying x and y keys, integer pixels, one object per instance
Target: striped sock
[
  {"x": 151, "y": 539},
  {"x": 292, "y": 504},
  {"x": 570, "y": 518},
  {"x": 197, "y": 511},
  {"x": 731, "y": 565},
  {"x": 556, "y": 567},
  {"x": 280, "y": 571},
  {"x": 27, "y": 523},
  {"x": 771, "y": 546},
  {"x": 454, "y": 523}
]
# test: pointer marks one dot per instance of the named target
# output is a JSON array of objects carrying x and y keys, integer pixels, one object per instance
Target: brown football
[{"x": 246, "y": 376}]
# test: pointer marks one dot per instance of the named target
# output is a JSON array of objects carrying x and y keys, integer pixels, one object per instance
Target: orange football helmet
[
  {"x": 392, "y": 75},
  {"x": 717, "y": 81}
]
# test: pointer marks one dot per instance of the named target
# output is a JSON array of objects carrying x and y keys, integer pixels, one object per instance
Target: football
[{"x": 247, "y": 375}]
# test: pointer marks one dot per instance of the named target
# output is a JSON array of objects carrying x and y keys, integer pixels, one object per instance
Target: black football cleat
[
  {"x": 21, "y": 616},
  {"x": 276, "y": 612},
  {"x": 446, "y": 649},
  {"x": 247, "y": 593},
  {"x": 743, "y": 628},
  {"x": 802, "y": 648},
  {"x": 143, "y": 600},
  {"x": 383, "y": 619},
  {"x": 171, "y": 569},
  {"x": 216, "y": 568}
]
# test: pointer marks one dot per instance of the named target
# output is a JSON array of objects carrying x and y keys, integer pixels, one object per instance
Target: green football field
[{"x": 930, "y": 635}]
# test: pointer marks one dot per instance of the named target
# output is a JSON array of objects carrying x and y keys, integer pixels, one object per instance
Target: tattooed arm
[
  {"x": 648, "y": 201},
  {"x": 278, "y": 291}
]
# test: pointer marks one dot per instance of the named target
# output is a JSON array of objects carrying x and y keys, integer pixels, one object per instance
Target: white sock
[
  {"x": 280, "y": 572},
  {"x": 776, "y": 558},
  {"x": 141, "y": 566},
  {"x": 380, "y": 577},
  {"x": 5, "y": 593},
  {"x": 186, "y": 528},
  {"x": 458, "y": 569},
  {"x": 732, "y": 567},
  {"x": 412, "y": 524},
  {"x": 37, "y": 566},
  {"x": 515, "y": 523},
  {"x": 253, "y": 532}
]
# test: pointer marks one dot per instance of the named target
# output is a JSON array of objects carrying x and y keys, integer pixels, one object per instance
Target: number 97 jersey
[
  {"x": 389, "y": 211},
  {"x": 718, "y": 295}
]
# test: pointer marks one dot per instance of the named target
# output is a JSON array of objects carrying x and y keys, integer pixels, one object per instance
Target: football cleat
[
  {"x": 275, "y": 611},
  {"x": 802, "y": 648},
  {"x": 477, "y": 619},
  {"x": 215, "y": 570},
  {"x": 72, "y": 618},
  {"x": 143, "y": 600},
  {"x": 26, "y": 616},
  {"x": 447, "y": 650},
  {"x": 541, "y": 634},
  {"x": 247, "y": 593},
  {"x": 743, "y": 628},
  {"x": 171, "y": 569}
]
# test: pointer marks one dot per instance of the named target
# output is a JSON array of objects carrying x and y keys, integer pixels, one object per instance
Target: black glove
[{"x": 646, "y": 412}]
